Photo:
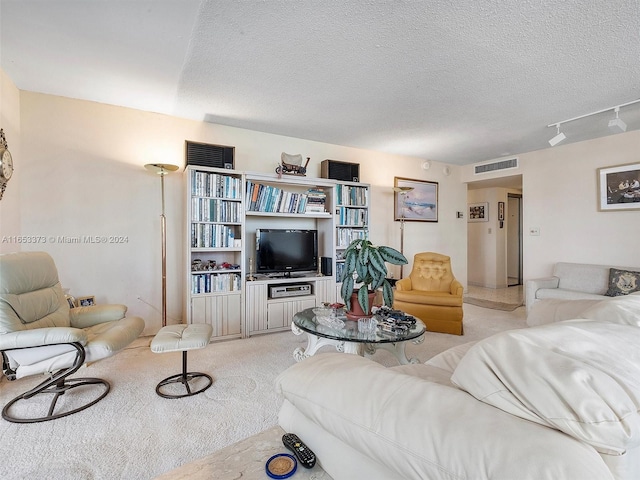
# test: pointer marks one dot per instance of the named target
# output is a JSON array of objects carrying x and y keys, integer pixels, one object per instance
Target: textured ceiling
[{"x": 457, "y": 82}]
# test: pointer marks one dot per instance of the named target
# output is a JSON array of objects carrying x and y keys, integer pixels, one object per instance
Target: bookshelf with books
[
  {"x": 215, "y": 216},
  {"x": 286, "y": 202},
  {"x": 352, "y": 219}
]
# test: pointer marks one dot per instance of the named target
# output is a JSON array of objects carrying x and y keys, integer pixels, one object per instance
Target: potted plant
[{"x": 367, "y": 262}]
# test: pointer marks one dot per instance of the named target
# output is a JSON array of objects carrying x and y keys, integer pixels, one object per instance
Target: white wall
[
  {"x": 82, "y": 175},
  {"x": 560, "y": 197}
]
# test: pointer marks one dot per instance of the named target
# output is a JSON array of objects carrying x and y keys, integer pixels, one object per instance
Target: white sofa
[
  {"x": 557, "y": 401},
  {"x": 571, "y": 281}
]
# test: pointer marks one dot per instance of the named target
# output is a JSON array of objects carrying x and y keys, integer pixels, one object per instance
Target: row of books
[
  {"x": 316, "y": 199},
  {"x": 346, "y": 235},
  {"x": 207, "y": 184},
  {"x": 215, "y": 210},
  {"x": 215, "y": 282},
  {"x": 352, "y": 216},
  {"x": 268, "y": 198},
  {"x": 350, "y": 195},
  {"x": 211, "y": 235}
]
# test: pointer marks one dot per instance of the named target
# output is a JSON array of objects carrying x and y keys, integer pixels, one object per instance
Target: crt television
[{"x": 285, "y": 251}]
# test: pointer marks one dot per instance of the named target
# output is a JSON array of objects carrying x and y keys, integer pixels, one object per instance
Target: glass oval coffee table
[{"x": 348, "y": 339}]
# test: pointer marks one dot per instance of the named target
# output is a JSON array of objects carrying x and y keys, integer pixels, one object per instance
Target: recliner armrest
[
  {"x": 83, "y": 317},
  {"x": 42, "y": 336}
]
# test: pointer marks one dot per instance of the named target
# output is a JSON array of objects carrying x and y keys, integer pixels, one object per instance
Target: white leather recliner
[{"x": 40, "y": 333}]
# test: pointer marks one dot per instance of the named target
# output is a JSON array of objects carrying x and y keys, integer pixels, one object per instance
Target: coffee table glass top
[{"x": 307, "y": 321}]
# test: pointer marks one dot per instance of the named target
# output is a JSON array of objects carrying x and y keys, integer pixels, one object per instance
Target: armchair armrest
[
  {"x": 535, "y": 284},
  {"x": 41, "y": 336},
  {"x": 404, "y": 284},
  {"x": 456, "y": 288},
  {"x": 83, "y": 317}
]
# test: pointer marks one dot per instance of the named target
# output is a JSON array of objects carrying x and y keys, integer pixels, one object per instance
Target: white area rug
[{"x": 135, "y": 434}]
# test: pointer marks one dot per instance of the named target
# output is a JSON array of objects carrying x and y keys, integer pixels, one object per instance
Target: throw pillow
[{"x": 623, "y": 282}]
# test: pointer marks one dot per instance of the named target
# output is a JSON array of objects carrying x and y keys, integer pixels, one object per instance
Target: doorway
[
  {"x": 514, "y": 239},
  {"x": 495, "y": 255}
]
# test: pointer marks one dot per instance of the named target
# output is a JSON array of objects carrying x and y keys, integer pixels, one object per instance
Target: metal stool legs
[{"x": 184, "y": 378}]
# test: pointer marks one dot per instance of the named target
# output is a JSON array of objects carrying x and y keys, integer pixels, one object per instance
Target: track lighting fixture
[
  {"x": 616, "y": 124},
  {"x": 558, "y": 138}
]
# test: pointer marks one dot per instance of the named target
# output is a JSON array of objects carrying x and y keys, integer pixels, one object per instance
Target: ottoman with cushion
[{"x": 182, "y": 338}]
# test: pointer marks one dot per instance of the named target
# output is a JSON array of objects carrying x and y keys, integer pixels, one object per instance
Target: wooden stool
[{"x": 182, "y": 338}]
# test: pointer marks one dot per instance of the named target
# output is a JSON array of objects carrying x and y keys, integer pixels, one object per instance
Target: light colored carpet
[{"x": 135, "y": 434}]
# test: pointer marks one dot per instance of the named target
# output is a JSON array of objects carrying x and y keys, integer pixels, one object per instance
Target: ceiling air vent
[{"x": 495, "y": 166}]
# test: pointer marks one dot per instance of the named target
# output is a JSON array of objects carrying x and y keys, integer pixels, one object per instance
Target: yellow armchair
[{"x": 432, "y": 294}]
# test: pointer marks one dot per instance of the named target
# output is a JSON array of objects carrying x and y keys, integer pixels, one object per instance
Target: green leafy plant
[{"x": 368, "y": 263}]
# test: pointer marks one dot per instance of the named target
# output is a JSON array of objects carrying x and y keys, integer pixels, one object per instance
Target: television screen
[{"x": 282, "y": 251}]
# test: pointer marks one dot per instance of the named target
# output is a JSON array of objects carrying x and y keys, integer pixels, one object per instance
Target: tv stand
[{"x": 267, "y": 313}]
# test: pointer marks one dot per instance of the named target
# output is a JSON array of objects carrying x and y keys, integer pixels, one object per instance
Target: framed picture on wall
[
  {"x": 415, "y": 200},
  {"x": 619, "y": 187},
  {"x": 479, "y": 212}
]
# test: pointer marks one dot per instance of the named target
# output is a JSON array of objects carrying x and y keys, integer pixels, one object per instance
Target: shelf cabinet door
[
  {"x": 256, "y": 298},
  {"x": 280, "y": 314},
  {"x": 325, "y": 291},
  {"x": 222, "y": 312}
]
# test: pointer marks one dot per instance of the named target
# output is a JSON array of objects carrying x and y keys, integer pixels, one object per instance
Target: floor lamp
[
  {"x": 402, "y": 191},
  {"x": 163, "y": 169}
]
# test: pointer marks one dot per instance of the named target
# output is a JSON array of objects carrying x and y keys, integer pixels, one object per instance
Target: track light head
[
  {"x": 558, "y": 138},
  {"x": 616, "y": 124}
]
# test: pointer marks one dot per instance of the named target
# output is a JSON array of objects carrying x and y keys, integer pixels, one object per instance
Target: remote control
[{"x": 303, "y": 453}]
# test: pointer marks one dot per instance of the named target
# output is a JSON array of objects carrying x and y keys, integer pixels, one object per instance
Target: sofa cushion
[
  {"x": 564, "y": 294},
  {"x": 582, "y": 277},
  {"x": 428, "y": 298},
  {"x": 622, "y": 282},
  {"x": 581, "y": 377}
]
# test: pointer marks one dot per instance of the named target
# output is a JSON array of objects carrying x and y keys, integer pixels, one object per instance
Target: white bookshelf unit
[
  {"x": 352, "y": 221},
  {"x": 224, "y": 210},
  {"x": 215, "y": 215}
]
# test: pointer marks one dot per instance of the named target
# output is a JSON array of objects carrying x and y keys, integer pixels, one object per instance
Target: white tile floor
[{"x": 513, "y": 294}]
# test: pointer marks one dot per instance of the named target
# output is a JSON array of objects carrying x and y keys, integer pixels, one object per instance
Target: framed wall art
[
  {"x": 619, "y": 187},
  {"x": 415, "y": 200},
  {"x": 479, "y": 212}
]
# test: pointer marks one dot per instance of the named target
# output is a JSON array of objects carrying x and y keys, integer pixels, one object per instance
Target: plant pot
[{"x": 356, "y": 311}]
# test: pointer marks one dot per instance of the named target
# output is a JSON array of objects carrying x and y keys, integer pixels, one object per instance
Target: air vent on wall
[
  {"x": 495, "y": 166},
  {"x": 209, "y": 155}
]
